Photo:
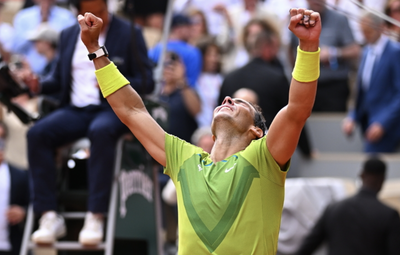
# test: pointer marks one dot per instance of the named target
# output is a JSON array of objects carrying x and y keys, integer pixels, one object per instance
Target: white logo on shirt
[
  {"x": 229, "y": 169},
  {"x": 199, "y": 166}
]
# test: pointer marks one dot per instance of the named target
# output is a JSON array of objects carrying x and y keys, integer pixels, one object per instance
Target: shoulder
[
  {"x": 27, "y": 13},
  {"x": 394, "y": 46},
  {"x": 69, "y": 31}
]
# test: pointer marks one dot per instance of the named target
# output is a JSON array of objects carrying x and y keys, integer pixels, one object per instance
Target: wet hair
[
  {"x": 259, "y": 120},
  {"x": 374, "y": 166}
]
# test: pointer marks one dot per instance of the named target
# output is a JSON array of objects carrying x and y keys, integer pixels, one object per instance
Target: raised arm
[
  {"x": 124, "y": 100},
  {"x": 284, "y": 132}
]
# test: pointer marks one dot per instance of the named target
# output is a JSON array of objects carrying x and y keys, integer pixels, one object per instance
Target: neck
[{"x": 227, "y": 144}]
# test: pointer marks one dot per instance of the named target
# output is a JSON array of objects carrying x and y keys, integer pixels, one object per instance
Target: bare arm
[
  {"x": 126, "y": 103},
  {"x": 191, "y": 100},
  {"x": 285, "y": 129}
]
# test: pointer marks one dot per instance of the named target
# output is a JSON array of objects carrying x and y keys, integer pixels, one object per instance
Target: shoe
[
  {"x": 92, "y": 231},
  {"x": 51, "y": 227}
]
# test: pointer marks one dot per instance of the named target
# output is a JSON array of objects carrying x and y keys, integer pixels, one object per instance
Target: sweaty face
[{"x": 238, "y": 112}]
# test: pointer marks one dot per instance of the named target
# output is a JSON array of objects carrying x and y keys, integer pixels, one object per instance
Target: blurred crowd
[{"x": 214, "y": 49}]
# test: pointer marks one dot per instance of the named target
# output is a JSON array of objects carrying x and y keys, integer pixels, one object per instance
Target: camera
[
  {"x": 171, "y": 58},
  {"x": 10, "y": 88}
]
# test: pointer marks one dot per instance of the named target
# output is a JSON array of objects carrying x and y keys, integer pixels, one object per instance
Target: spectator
[
  {"x": 26, "y": 22},
  {"x": 14, "y": 198},
  {"x": 45, "y": 39},
  {"x": 338, "y": 48},
  {"x": 264, "y": 74},
  {"x": 360, "y": 224},
  {"x": 393, "y": 10},
  {"x": 212, "y": 10},
  {"x": 182, "y": 100},
  {"x": 16, "y": 144},
  {"x": 149, "y": 13},
  {"x": 199, "y": 29},
  {"x": 240, "y": 15},
  {"x": 354, "y": 12},
  {"x": 178, "y": 43},
  {"x": 6, "y": 38},
  {"x": 83, "y": 113},
  {"x": 210, "y": 81},
  {"x": 377, "y": 106}
]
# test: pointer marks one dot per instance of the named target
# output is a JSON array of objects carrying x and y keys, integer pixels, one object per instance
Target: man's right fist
[
  {"x": 306, "y": 25},
  {"x": 90, "y": 30}
]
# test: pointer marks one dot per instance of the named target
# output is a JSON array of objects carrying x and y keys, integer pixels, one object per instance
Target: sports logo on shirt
[{"x": 212, "y": 226}]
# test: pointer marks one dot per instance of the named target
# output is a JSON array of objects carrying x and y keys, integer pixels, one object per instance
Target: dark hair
[
  {"x": 259, "y": 120},
  {"x": 374, "y": 165},
  {"x": 77, "y": 3},
  {"x": 266, "y": 26},
  {"x": 205, "y": 45}
]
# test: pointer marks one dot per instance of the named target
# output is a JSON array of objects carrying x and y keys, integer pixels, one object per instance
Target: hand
[
  {"x": 306, "y": 25},
  {"x": 25, "y": 75},
  {"x": 90, "y": 30},
  {"x": 374, "y": 132},
  {"x": 348, "y": 126},
  {"x": 15, "y": 214}
]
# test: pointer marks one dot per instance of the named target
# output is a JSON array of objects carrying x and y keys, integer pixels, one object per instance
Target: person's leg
[
  {"x": 103, "y": 133},
  {"x": 58, "y": 128}
]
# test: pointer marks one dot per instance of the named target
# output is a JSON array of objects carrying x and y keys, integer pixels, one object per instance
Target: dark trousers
[{"x": 63, "y": 126}]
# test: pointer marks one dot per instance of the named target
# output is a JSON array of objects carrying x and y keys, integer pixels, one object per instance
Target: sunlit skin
[{"x": 238, "y": 111}]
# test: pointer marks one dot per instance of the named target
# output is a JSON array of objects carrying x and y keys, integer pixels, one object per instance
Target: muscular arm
[
  {"x": 126, "y": 102},
  {"x": 285, "y": 129}
]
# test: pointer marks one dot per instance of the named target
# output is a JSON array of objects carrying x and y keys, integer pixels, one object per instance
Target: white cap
[{"x": 44, "y": 32}]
